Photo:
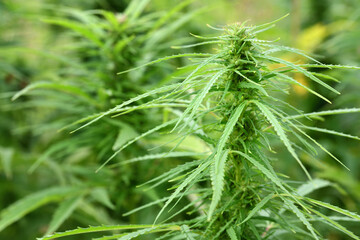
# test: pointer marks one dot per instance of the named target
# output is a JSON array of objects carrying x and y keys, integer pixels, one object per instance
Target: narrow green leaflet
[
  {"x": 269, "y": 23},
  {"x": 336, "y": 225},
  {"x": 319, "y": 145},
  {"x": 232, "y": 234},
  {"x": 93, "y": 229},
  {"x": 258, "y": 207},
  {"x": 155, "y": 129},
  {"x": 33, "y": 201},
  {"x": 323, "y": 130},
  {"x": 217, "y": 180},
  {"x": 334, "y": 208},
  {"x": 281, "y": 133},
  {"x": 263, "y": 170},
  {"x": 195, "y": 103},
  {"x": 172, "y": 172},
  {"x": 229, "y": 128},
  {"x": 195, "y": 44},
  {"x": 111, "y": 237},
  {"x": 6, "y": 157},
  {"x": 56, "y": 86},
  {"x": 80, "y": 28},
  {"x": 254, "y": 230},
  {"x": 312, "y": 185},
  {"x": 135, "y": 8},
  {"x": 187, "y": 181},
  {"x": 167, "y": 58},
  {"x": 186, "y": 231},
  {"x": 254, "y": 86},
  {"x": 324, "y": 113},
  {"x": 301, "y": 216},
  {"x": 163, "y": 155},
  {"x": 327, "y": 77},
  {"x": 126, "y": 133},
  {"x": 95, "y": 117},
  {"x": 137, "y": 233},
  {"x": 64, "y": 210},
  {"x": 101, "y": 195},
  {"x": 289, "y": 49},
  {"x": 331, "y": 66},
  {"x": 303, "y": 71},
  {"x": 163, "y": 20},
  {"x": 156, "y": 202},
  {"x": 292, "y": 80}
]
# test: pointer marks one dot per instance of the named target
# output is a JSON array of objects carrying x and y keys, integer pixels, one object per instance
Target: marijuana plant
[
  {"x": 232, "y": 189},
  {"x": 79, "y": 78}
]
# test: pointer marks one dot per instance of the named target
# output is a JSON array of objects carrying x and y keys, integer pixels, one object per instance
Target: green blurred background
[{"x": 64, "y": 56}]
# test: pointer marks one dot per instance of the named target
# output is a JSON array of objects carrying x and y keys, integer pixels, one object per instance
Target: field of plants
[{"x": 181, "y": 119}]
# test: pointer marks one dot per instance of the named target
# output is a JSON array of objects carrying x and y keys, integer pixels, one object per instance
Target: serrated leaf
[
  {"x": 334, "y": 208},
  {"x": 111, "y": 237},
  {"x": 188, "y": 143},
  {"x": 280, "y": 132},
  {"x": 171, "y": 173},
  {"x": 195, "y": 44},
  {"x": 263, "y": 170},
  {"x": 336, "y": 225},
  {"x": 163, "y": 155},
  {"x": 64, "y": 210},
  {"x": 289, "y": 49},
  {"x": 187, "y": 181},
  {"x": 254, "y": 86},
  {"x": 136, "y": 233},
  {"x": 292, "y": 80},
  {"x": 220, "y": 158},
  {"x": 217, "y": 180},
  {"x": 195, "y": 103},
  {"x": 186, "y": 231},
  {"x": 229, "y": 128},
  {"x": 165, "y": 59},
  {"x": 258, "y": 207},
  {"x": 323, "y": 130},
  {"x": 301, "y": 216},
  {"x": 331, "y": 66},
  {"x": 325, "y": 76},
  {"x": 319, "y": 145},
  {"x": 95, "y": 117},
  {"x": 93, "y": 229},
  {"x": 324, "y": 113},
  {"x": 231, "y": 232},
  {"x": 136, "y": 139},
  {"x": 303, "y": 71}
]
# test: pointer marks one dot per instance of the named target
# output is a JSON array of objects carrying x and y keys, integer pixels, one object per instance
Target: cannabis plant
[
  {"x": 233, "y": 106},
  {"x": 78, "y": 79}
]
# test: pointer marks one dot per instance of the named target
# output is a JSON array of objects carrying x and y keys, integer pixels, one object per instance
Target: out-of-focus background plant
[{"x": 58, "y": 64}]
